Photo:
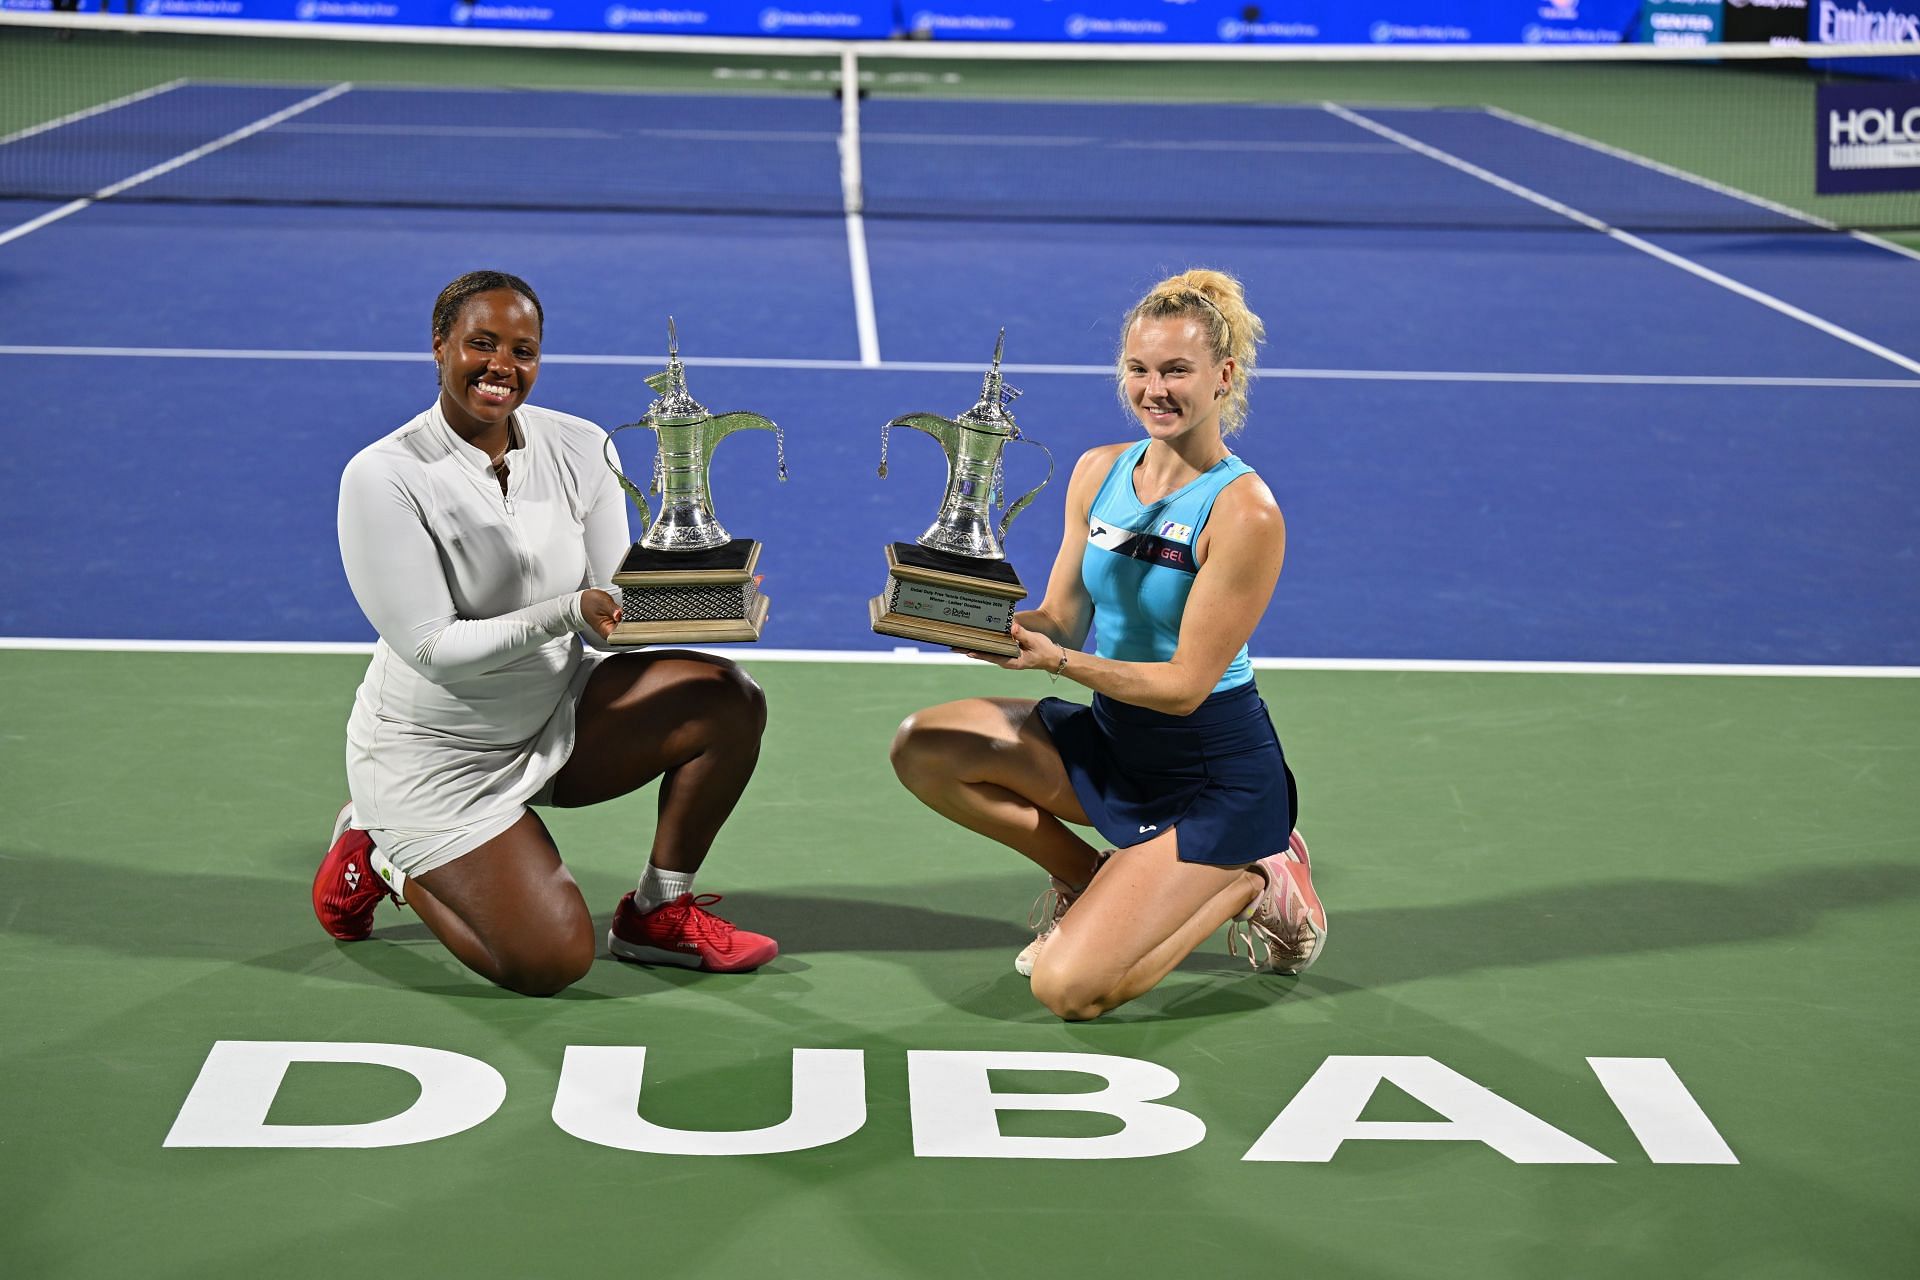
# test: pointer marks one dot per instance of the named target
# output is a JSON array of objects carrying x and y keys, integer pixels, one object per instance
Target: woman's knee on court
[
  {"x": 1073, "y": 993},
  {"x": 547, "y": 968},
  {"x": 931, "y": 750}
]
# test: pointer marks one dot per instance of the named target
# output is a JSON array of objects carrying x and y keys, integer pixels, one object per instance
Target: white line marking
[
  {"x": 1720, "y": 187},
  {"x": 1631, "y": 241},
  {"x": 32, "y": 225},
  {"x": 1566, "y": 135},
  {"x": 946, "y": 366},
  {"x": 85, "y": 112},
  {"x": 863, "y": 318},
  {"x": 852, "y": 199},
  {"x": 1768, "y": 300},
  {"x": 594, "y": 135},
  {"x": 168, "y": 166},
  {"x": 917, "y": 657},
  {"x": 238, "y": 135},
  {"x": 1891, "y": 246}
]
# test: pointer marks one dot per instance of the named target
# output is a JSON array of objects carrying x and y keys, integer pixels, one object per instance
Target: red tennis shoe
[
  {"x": 683, "y": 932},
  {"x": 346, "y": 888}
]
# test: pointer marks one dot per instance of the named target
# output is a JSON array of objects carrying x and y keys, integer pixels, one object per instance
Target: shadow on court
[{"x": 264, "y": 921}]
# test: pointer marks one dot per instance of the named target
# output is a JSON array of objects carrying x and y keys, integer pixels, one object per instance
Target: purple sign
[{"x": 1867, "y": 137}]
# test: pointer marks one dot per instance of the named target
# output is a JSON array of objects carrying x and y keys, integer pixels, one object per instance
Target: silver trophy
[
  {"x": 952, "y": 585},
  {"x": 687, "y": 579}
]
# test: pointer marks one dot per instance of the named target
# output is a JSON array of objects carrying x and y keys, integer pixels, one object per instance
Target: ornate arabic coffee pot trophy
[
  {"x": 952, "y": 585},
  {"x": 687, "y": 580}
]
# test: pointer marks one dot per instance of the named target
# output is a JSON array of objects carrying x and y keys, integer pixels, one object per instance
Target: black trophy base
[
  {"x": 956, "y": 601},
  {"x": 690, "y": 597}
]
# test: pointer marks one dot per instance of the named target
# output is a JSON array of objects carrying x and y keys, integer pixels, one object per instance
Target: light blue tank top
[{"x": 1139, "y": 564}]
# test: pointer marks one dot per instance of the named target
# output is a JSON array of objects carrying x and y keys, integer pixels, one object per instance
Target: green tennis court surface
[{"x": 1524, "y": 872}]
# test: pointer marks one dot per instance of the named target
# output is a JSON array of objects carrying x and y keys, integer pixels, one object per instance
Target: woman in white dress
[{"x": 480, "y": 539}]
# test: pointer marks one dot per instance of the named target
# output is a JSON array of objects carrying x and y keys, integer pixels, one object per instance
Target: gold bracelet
[{"x": 1056, "y": 673}]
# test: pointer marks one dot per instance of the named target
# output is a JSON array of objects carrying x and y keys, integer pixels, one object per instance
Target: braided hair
[{"x": 446, "y": 307}]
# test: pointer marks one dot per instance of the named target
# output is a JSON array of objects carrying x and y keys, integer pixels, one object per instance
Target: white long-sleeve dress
[{"x": 467, "y": 709}]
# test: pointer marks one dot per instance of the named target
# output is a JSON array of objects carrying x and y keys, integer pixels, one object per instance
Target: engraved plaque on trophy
[
  {"x": 952, "y": 585},
  {"x": 687, "y": 581}
]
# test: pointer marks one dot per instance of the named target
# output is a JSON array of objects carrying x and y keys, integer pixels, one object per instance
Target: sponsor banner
[
  {"x": 830, "y": 19},
  {"x": 1765, "y": 21},
  {"x": 1868, "y": 22},
  {"x": 1680, "y": 21},
  {"x": 1064, "y": 21},
  {"x": 1867, "y": 138},
  {"x": 1276, "y": 22},
  {"x": 1863, "y": 23}
]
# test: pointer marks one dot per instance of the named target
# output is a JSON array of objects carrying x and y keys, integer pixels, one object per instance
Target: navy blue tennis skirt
[{"x": 1217, "y": 774}]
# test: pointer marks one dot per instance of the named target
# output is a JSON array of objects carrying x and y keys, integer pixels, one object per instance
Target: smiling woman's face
[
  {"x": 1170, "y": 378},
  {"x": 489, "y": 358}
]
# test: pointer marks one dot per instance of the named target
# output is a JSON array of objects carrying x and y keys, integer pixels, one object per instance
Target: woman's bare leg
[
  {"x": 690, "y": 720},
  {"x": 510, "y": 911},
  {"x": 989, "y": 765},
  {"x": 1143, "y": 915}
]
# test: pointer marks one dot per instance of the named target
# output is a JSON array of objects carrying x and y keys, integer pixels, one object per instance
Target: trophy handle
[
  {"x": 613, "y": 465},
  {"x": 1015, "y": 509},
  {"x": 722, "y": 425}
]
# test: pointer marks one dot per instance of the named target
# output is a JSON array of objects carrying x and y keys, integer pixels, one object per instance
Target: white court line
[
  {"x": 168, "y": 166},
  {"x": 32, "y": 225},
  {"x": 1631, "y": 241},
  {"x": 921, "y": 657},
  {"x": 1567, "y": 135},
  {"x": 598, "y": 135},
  {"x": 1721, "y": 188},
  {"x": 864, "y": 323},
  {"x": 948, "y": 366},
  {"x": 852, "y": 199},
  {"x": 1881, "y": 242},
  {"x": 85, "y": 112}
]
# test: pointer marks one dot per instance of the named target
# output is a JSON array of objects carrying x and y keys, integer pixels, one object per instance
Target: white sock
[
  {"x": 658, "y": 887},
  {"x": 383, "y": 867}
]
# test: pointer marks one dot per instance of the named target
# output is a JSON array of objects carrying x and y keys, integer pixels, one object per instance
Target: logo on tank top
[{"x": 1160, "y": 547}]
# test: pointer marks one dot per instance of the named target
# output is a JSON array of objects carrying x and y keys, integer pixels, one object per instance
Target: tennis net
[{"x": 1639, "y": 138}]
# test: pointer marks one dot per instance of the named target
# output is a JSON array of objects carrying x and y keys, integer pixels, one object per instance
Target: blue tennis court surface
[{"x": 1497, "y": 442}]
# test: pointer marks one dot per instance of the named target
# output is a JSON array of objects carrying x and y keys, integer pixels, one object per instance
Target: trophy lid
[
  {"x": 990, "y": 412},
  {"x": 675, "y": 406}
]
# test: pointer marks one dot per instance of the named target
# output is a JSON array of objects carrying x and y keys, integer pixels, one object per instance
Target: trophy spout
[
  {"x": 722, "y": 425},
  {"x": 941, "y": 429}
]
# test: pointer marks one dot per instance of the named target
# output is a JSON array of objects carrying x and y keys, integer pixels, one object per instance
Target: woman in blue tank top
[{"x": 1171, "y": 552}]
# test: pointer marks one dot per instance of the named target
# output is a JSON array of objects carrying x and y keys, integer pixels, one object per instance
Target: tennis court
[{"x": 1592, "y": 652}]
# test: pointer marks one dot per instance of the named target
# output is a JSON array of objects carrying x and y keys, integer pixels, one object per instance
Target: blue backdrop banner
[
  {"x": 1071, "y": 21},
  {"x": 1281, "y": 21},
  {"x": 831, "y": 19}
]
